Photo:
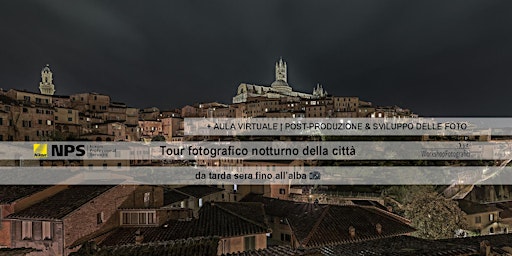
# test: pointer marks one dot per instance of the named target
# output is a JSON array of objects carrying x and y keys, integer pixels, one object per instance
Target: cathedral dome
[{"x": 279, "y": 83}]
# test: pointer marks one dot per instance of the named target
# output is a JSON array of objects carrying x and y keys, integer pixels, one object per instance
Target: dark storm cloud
[{"x": 435, "y": 57}]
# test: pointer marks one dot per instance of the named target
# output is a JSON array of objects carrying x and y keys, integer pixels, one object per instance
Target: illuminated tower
[
  {"x": 281, "y": 70},
  {"x": 46, "y": 86},
  {"x": 281, "y": 83}
]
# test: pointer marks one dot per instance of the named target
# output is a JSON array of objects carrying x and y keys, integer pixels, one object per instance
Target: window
[
  {"x": 478, "y": 219},
  {"x": 70, "y": 119},
  {"x": 282, "y": 191},
  {"x": 46, "y": 230},
  {"x": 26, "y": 98},
  {"x": 491, "y": 217},
  {"x": 200, "y": 202},
  {"x": 147, "y": 197},
  {"x": 26, "y": 230},
  {"x": 249, "y": 243},
  {"x": 100, "y": 218},
  {"x": 138, "y": 218}
]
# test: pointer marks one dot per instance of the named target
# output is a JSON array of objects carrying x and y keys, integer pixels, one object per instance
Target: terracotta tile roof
[
  {"x": 500, "y": 240},
  {"x": 172, "y": 196},
  {"x": 203, "y": 246},
  {"x": 10, "y": 193},
  {"x": 507, "y": 210},
  {"x": 399, "y": 245},
  {"x": 369, "y": 203},
  {"x": 215, "y": 219},
  {"x": 395, "y": 246},
  {"x": 283, "y": 250},
  {"x": 62, "y": 203},
  {"x": 472, "y": 208},
  {"x": 199, "y": 191},
  {"x": 317, "y": 225},
  {"x": 17, "y": 251}
]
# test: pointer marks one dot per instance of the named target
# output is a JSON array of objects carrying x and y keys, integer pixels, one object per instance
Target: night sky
[{"x": 437, "y": 58}]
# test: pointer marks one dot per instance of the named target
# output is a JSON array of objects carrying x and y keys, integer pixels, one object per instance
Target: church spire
[
  {"x": 281, "y": 82},
  {"x": 46, "y": 86},
  {"x": 281, "y": 70}
]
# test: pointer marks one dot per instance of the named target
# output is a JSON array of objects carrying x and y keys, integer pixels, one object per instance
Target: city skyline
[{"x": 435, "y": 58}]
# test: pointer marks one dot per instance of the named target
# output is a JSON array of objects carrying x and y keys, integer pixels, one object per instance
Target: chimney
[
  {"x": 352, "y": 232},
  {"x": 138, "y": 237},
  {"x": 378, "y": 228},
  {"x": 485, "y": 248}
]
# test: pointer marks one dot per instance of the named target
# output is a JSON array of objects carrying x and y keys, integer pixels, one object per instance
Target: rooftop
[
  {"x": 215, "y": 219},
  {"x": 10, "y": 193},
  {"x": 199, "y": 191},
  {"x": 203, "y": 246},
  {"x": 396, "y": 246},
  {"x": 317, "y": 225},
  {"x": 172, "y": 196},
  {"x": 472, "y": 208},
  {"x": 62, "y": 203}
]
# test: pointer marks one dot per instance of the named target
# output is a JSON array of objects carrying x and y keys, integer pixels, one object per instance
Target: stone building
[
  {"x": 54, "y": 224},
  {"x": 279, "y": 88}
]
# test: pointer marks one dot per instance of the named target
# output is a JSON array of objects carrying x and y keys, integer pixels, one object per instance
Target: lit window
[
  {"x": 46, "y": 229},
  {"x": 100, "y": 218},
  {"x": 26, "y": 230},
  {"x": 147, "y": 196}
]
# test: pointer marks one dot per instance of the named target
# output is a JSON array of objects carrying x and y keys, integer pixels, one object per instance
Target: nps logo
[{"x": 40, "y": 150}]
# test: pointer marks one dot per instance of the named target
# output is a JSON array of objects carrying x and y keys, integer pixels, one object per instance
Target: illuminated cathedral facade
[{"x": 279, "y": 88}]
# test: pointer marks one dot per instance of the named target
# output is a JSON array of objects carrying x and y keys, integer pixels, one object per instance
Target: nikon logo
[{"x": 40, "y": 150}]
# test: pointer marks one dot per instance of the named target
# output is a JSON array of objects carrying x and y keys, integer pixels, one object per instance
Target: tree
[
  {"x": 433, "y": 216},
  {"x": 158, "y": 138}
]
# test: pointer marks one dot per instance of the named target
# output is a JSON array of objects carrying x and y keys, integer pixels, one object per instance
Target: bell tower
[
  {"x": 46, "y": 86},
  {"x": 281, "y": 70}
]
